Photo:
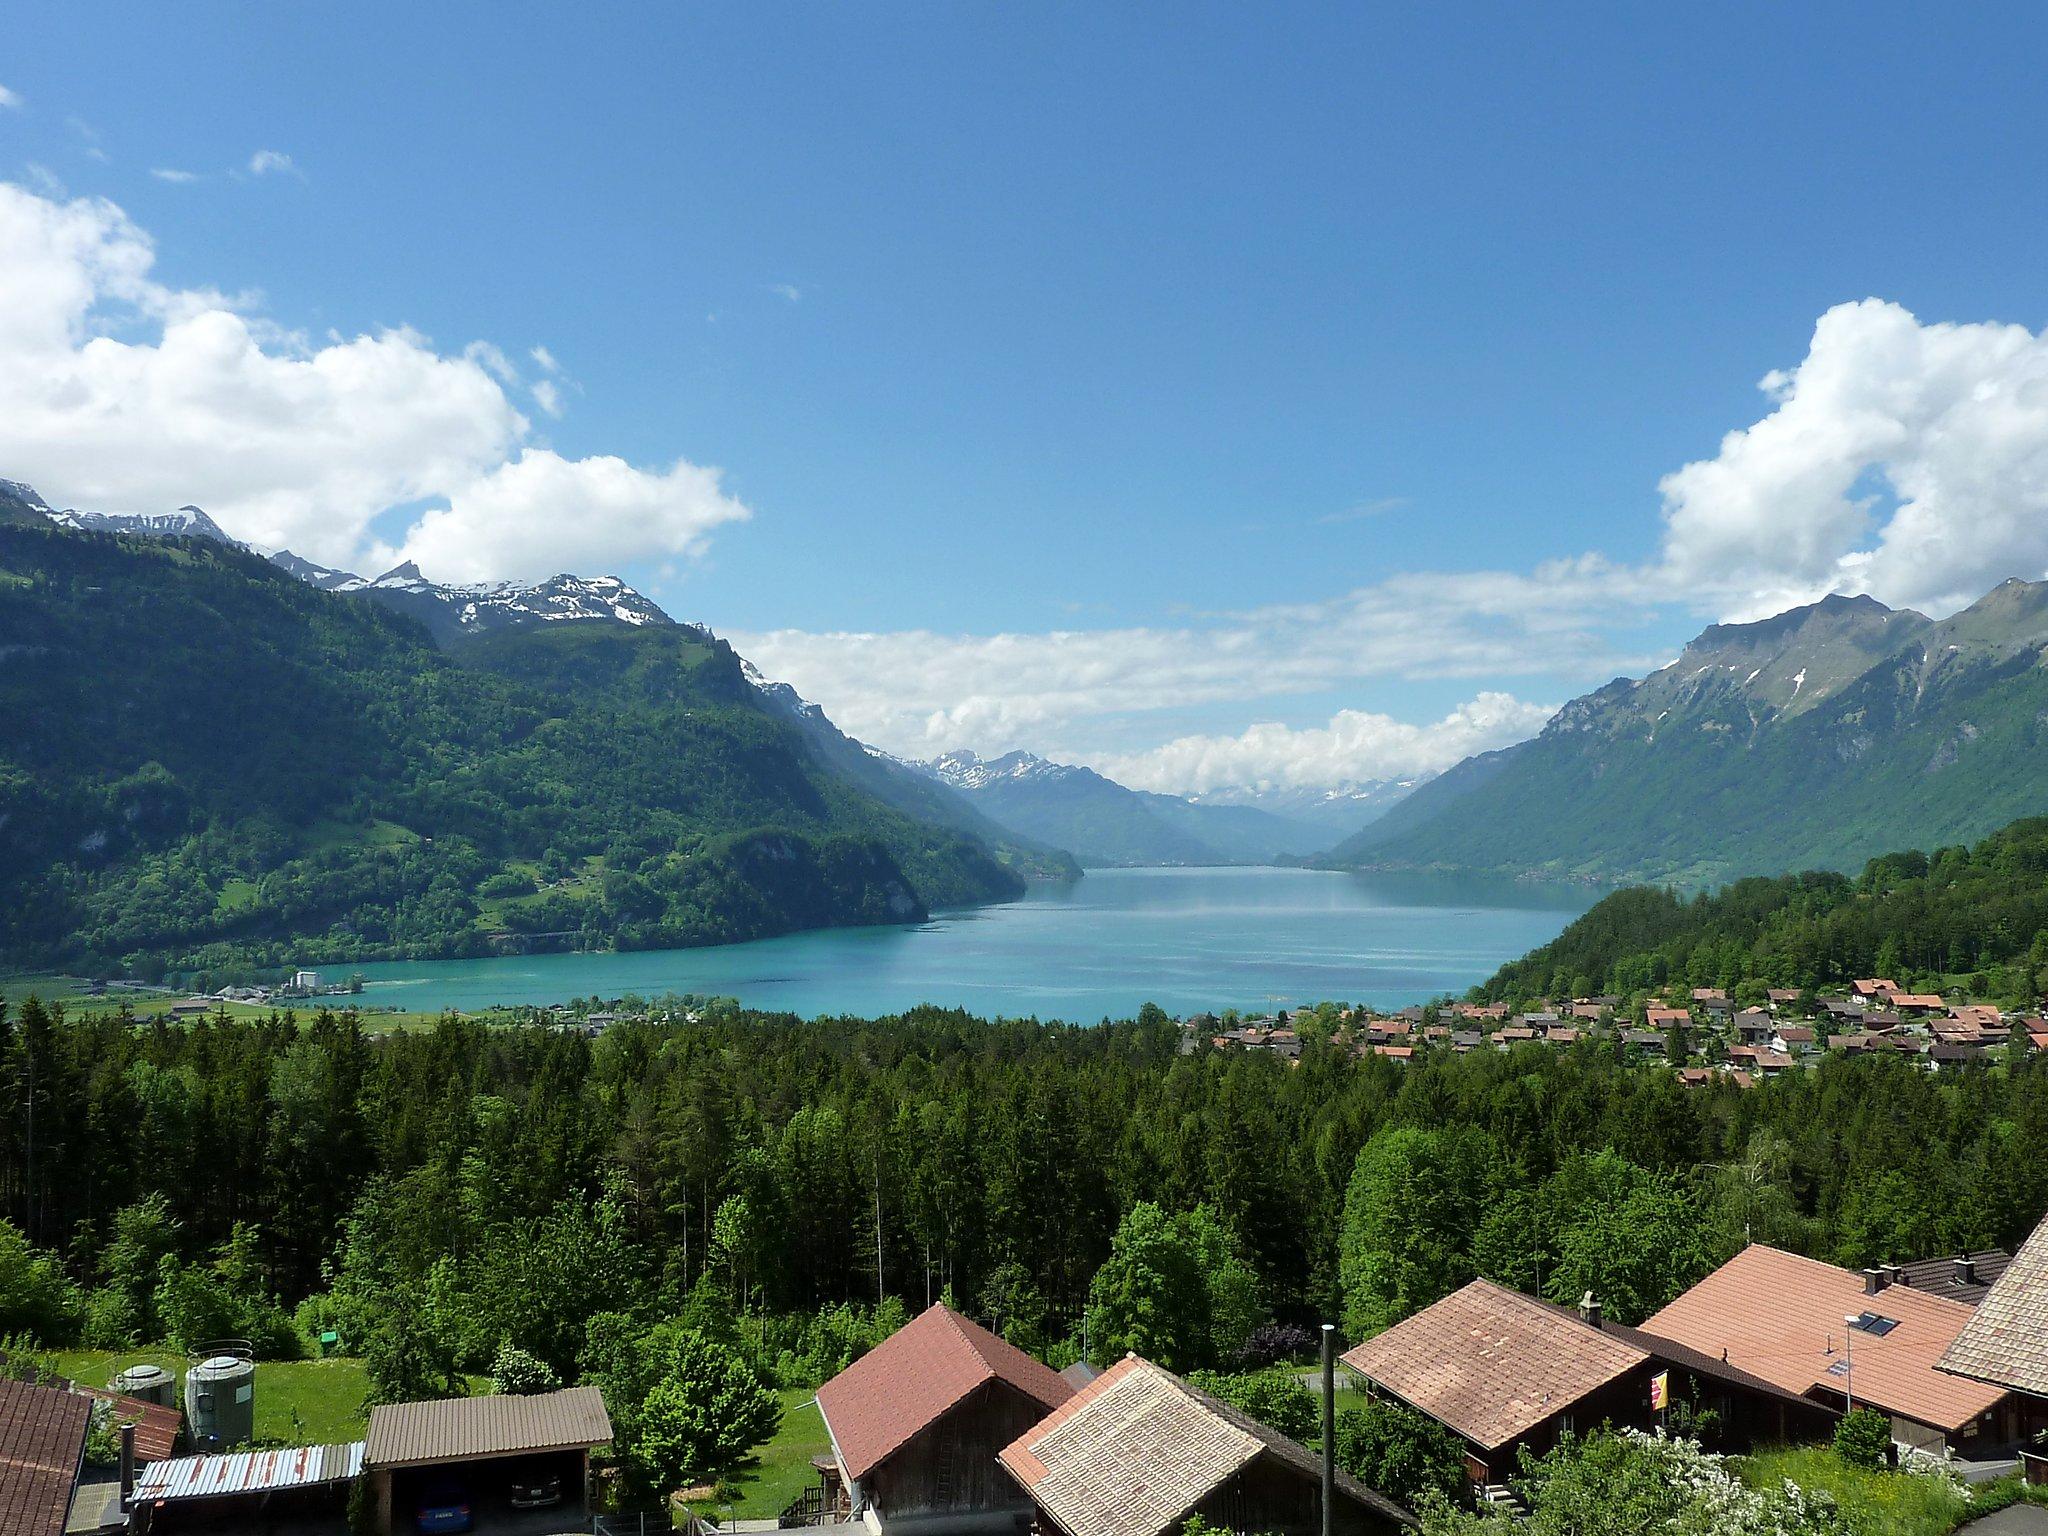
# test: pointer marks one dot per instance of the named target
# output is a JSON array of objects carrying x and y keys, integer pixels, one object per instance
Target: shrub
[
  {"x": 1275, "y": 1398},
  {"x": 1273, "y": 1343},
  {"x": 1404, "y": 1454},
  {"x": 515, "y": 1373},
  {"x": 1864, "y": 1438}
]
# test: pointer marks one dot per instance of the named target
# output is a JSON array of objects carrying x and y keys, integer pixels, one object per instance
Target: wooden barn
[
  {"x": 1138, "y": 1451},
  {"x": 917, "y": 1423}
]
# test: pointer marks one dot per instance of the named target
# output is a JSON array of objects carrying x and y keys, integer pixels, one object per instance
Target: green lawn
[
  {"x": 1877, "y": 1503},
  {"x": 781, "y": 1469},
  {"x": 301, "y": 1402},
  {"x": 305, "y": 1402}
]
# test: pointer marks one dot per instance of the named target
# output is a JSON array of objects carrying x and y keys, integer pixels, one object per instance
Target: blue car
[{"x": 443, "y": 1507}]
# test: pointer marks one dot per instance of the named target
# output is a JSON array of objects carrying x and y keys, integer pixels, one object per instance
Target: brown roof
[
  {"x": 1947, "y": 1276},
  {"x": 1492, "y": 1363},
  {"x": 2006, "y": 1338},
  {"x": 1137, "y": 1449},
  {"x": 1780, "y": 1317},
  {"x": 478, "y": 1428},
  {"x": 914, "y": 1377},
  {"x": 156, "y": 1424},
  {"x": 42, "y": 1440}
]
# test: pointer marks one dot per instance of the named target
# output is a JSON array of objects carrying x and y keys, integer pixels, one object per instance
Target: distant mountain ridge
[
  {"x": 1107, "y": 825},
  {"x": 1817, "y": 738}
]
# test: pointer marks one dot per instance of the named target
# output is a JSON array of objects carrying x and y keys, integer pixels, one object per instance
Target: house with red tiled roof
[
  {"x": 916, "y": 1423},
  {"x": 1874, "y": 986},
  {"x": 1843, "y": 1339},
  {"x": 1139, "y": 1451},
  {"x": 1508, "y": 1373}
]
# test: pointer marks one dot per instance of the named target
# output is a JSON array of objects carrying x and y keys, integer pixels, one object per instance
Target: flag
[{"x": 1660, "y": 1390}]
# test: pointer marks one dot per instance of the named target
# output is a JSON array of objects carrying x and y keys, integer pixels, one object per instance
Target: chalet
[
  {"x": 1760, "y": 1060},
  {"x": 1954, "y": 1031},
  {"x": 1463, "y": 1040},
  {"x": 2004, "y": 1345},
  {"x": 1139, "y": 1452},
  {"x": 1917, "y": 1002},
  {"x": 1649, "y": 1041},
  {"x": 1782, "y": 997},
  {"x": 1781, "y": 1317},
  {"x": 1512, "y": 1036},
  {"x": 1666, "y": 1018},
  {"x": 1947, "y": 1057},
  {"x": 1875, "y": 986},
  {"x": 1754, "y": 1026},
  {"x": 1983, "y": 1015},
  {"x": 1539, "y": 1021},
  {"x": 1793, "y": 1039},
  {"x": 1438, "y": 1034},
  {"x": 1509, "y": 1374},
  {"x": 1563, "y": 1035},
  {"x": 1711, "y": 1000},
  {"x": 916, "y": 1425},
  {"x": 1396, "y": 1053}
]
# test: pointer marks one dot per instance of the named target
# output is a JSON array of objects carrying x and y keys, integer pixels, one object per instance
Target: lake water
[{"x": 1186, "y": 939}]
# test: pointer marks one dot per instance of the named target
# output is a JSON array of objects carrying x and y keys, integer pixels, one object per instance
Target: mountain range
[
  {"x": 217, "y": 758},
  {"x": 1816, "y": 739},
  {"x": 1107, "y": 825}
]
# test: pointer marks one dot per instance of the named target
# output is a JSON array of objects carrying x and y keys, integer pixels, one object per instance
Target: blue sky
[{"x": 1076, "y": 367}]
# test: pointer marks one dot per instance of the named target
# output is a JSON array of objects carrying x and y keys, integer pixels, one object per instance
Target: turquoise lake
[{"x": 1186, "y": 939}]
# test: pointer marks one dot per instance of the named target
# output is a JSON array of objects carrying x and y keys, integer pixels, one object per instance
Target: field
[{"x": 77, "y": 996}]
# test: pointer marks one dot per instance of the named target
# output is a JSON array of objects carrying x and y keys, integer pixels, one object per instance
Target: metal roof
[
  {"x": 247, "y": 1472},
  {"x": 477, "y": 1428}
]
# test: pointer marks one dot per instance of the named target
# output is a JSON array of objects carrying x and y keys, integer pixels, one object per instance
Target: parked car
[
  {"x": 536, "y": 1492},
  {"x": 443, "y": 1507}
]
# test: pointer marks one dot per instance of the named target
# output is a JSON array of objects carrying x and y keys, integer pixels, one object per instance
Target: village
[{"x": 1700, "y": 1033}]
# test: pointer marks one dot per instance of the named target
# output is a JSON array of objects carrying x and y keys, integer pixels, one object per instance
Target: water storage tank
[
  {"x": 220, "y": 1397},
  {"x": 151, "y": 1383}
]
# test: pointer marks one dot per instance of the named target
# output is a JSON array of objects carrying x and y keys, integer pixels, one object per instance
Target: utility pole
[{"x": 1329, "y": 1429}]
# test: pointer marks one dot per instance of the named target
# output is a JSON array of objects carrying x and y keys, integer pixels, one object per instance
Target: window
[{"x": 1875, "y": 1323}]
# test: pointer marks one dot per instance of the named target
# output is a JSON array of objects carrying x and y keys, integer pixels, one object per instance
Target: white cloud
[
  {"x": 1902, "y": 459},
  {"x": 544, "y": 513},
  {"x": 788, "y": 291},
  {"x": 11, "y": 100},
  {"x": 1355, "y": 746},
  {"x": 173, "y": 175},
  {"x": 1379, "y": 506},
  {"x": 548, "y": 396},
  {"x": 546, "y": 359},
  {"x": 273, "y": 162},
  {"x": 118, "y": 393},
  {"x": 1093, "y": 694}
]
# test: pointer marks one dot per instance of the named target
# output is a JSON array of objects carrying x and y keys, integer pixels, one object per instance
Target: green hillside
[
  {"x": 211, "y": 761},
  {"x": 1817, "y": 739},
  {"x": 1979, "y": 913}
]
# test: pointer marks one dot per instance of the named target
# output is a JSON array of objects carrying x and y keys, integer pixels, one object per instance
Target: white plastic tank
[{"x": 150, "y": 1383}]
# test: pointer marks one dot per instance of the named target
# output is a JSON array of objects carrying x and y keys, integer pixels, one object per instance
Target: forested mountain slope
[
  {"x": 1816, "y": 739},
  {"x": 1980, "y": 912},
  {"x": 210, "y": 759}
]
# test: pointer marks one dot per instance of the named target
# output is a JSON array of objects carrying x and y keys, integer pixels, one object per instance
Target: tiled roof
[
  {"x": 477, "y": 1428},
  {"x": 1780, "y": 1317},
  {"x": 1134, "y": 1452},
  {"x": 2006, "y": 1338},
  {"x": 156, "y": 1424},
  {"x": 42, "y": 1437},
  {"x": 903, "y": 1385},
  {"x": 1492, "y": 1363}
]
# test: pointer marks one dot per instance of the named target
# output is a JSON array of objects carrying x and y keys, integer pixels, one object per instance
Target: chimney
[
  {"x": 127, "y": 1467},
  {"x": 1874, "y": 1280},
  {"x": 1895, "y": 1274},
  {"x": 1589, "y": 1310},
  {"x": 1966, "y": 1269}
]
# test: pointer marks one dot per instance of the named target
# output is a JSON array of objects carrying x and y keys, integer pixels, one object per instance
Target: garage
[{"x": 490, "y": 1464}]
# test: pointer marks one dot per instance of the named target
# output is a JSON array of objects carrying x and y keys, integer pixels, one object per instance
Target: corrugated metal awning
[
  {"x": 476, "y": 1428},
  {"x": 248, "y": 1472}
]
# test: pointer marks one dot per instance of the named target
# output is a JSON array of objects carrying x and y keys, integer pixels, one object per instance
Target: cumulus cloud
[
  {"x": 121, "y": 394},
  {"x": 513, "y": 517},
  {"x": 1355, "y": 746},
  {"x": 1902, "y": 459},
  {"x": 273, "y": 162}
]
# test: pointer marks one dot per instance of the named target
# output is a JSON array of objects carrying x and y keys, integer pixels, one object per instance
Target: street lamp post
[{"x": 1849, "y": 1365}]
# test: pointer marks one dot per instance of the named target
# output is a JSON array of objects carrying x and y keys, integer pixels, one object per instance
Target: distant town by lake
[{"x": 1186, "y": 939}]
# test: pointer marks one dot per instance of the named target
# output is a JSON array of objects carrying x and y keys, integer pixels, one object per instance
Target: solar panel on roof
[{"x": 1875, "y": 1323}]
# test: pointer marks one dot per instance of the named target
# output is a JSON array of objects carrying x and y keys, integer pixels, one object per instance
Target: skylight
[{"x": 1875, "y": 1323}]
